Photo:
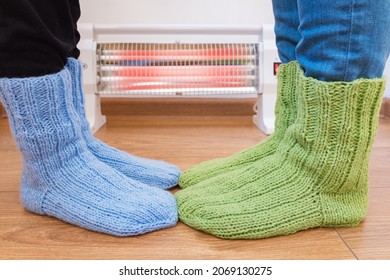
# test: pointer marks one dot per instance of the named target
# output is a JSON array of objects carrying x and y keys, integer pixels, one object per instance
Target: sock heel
[
  {"x": 344, "y": 210},
  {"x": 30, "y": 197}
]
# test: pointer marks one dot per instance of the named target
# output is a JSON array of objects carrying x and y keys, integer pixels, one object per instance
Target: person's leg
[
  {"x": 287, "y": 37},
  {"x": 316, "y": 178},
  {"x": 35, "y": 43},
  {"x": 343, "y": 40},
  {"x": 75, "y": 12},
  {"x": 61, "y": 177},
  {"x": 149, "y": 171},
  {"x": 318, "y": 174},
  {"x": 36, "y": 37},
  {"x": 286, "y": 16}
]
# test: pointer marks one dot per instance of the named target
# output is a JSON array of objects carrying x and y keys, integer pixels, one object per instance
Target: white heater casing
[{"x": 262, "y": 53}]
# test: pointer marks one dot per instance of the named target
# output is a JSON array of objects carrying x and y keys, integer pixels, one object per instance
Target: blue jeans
[{"x": 334, "y": 40}]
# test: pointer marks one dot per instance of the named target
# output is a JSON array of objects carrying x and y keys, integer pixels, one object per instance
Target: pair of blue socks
[{"x": 69, "y": 174}]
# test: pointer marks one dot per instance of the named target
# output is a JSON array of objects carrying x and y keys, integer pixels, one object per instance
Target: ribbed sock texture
[
  {"x": 151, "y": 172},
  {"x": 316, "y": 178},
  {"x": 285, "y": 111},
  {"x": 61, "y": 178}
]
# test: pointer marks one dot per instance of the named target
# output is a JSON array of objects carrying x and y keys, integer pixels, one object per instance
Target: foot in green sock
[
  {"x": 285, "y": 115},
  {"x": 316, "y": 178}
]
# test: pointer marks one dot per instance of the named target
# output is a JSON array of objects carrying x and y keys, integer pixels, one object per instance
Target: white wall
[{"x": 177, "y": 11}]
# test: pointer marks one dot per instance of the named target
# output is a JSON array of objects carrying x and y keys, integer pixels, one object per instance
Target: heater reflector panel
[{"x": 177, "y": 69}]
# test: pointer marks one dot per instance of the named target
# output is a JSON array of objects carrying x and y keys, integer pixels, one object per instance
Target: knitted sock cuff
[
  {"x": 362, "y": 96},
  {"x": 288, "y": 81},
  {"x": 337, "y": 122},
  {"x": 33, "y": 103}
]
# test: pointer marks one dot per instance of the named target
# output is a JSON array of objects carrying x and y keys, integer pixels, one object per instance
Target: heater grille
[{"x": 177, "y": 69}]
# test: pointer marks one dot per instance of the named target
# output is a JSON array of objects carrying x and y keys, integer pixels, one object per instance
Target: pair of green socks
[{"x": 312, "y": 172}]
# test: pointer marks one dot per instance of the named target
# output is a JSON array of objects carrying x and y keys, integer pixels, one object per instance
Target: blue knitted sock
[
  {"x": 151, "y": 172},
  {"x": 62, "y": 178}
]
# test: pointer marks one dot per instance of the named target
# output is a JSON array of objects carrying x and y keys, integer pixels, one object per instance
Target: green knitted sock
[
  {"x": 285, "y": 110},
  {"x": 316, "y": 178}
]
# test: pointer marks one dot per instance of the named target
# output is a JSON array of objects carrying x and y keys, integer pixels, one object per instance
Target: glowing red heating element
[{"x": 195, "y": 68}]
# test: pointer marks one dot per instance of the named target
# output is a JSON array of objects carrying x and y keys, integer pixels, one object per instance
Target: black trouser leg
[{"x": 37, "y": 36}]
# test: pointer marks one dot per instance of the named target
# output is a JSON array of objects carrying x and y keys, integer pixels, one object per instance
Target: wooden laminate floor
[{"x": 185, "y": 133}]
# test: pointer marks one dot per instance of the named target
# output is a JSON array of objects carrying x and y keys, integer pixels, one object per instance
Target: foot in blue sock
[
  {"x": 62, "y": 178},
  {"x": 151, "y": 172}
]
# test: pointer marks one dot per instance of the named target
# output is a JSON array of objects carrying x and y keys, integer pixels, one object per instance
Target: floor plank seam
[{"x": 346, "y": 244}]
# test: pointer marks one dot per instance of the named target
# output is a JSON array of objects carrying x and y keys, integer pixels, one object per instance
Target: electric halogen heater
[{"x": 179, "y": 61}]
